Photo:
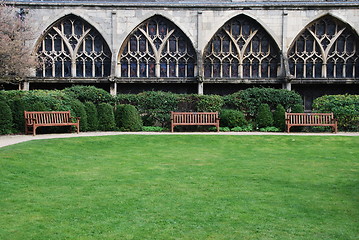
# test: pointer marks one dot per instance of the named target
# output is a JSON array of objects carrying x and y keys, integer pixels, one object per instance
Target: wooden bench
[
  {"x": 33, "y": 120},
  {"x": 311, "y": 119},
  {"x": 194, "y": 118}
]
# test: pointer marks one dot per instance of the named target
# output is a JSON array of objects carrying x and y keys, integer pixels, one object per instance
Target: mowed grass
[{"x": 181, "y": 187}]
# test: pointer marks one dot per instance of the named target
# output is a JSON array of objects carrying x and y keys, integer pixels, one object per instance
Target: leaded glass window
[
  {"x": 157, "y": 48},
  {"x": 241, "y": 48},
  {"x": 327, "y": 48},
  {"x": 73, "y": 48}
]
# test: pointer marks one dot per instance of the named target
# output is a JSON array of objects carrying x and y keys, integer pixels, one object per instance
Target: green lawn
[{"x": 181, "y": 187}]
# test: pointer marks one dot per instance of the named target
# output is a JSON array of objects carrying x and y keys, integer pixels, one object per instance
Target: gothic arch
[
  {"x": 241, "y": 48},
  {"x": 157, "y": 48},
  {"x": 71, "y": 47},
  {"x": 326, "y": 48}
]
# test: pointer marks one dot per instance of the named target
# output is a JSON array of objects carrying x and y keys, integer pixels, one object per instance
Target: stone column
[
  {"x": 24, "y": 86},
  {"x": 113, "y": 88},
  {"x": 199, "y": 54},
  {"x": 284, "y": 60}
]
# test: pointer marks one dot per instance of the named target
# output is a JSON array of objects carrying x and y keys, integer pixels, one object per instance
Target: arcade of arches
[{"x": 158, "y": 55}]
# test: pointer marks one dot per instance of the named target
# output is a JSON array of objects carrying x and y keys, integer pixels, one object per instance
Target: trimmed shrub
[
  {"x": 344, "y": 107},
  {"x": 78, "y": 110},
  {"x": 106, "y": 117},
  {"x": 127, "y": 118},
  {"x": 92, "y": 116},
  {"x": 17, "y": 108},
  {"x": 264, "y": 117},
  {"x": 5, "y": 118},
  {"x": 279, "y": 117},
  {"x": 89, "y": 94},
  {"x": 232, "y": 118}
]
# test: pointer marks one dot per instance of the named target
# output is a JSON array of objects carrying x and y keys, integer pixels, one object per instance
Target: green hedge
[
  {"x": 106, "y": 117},
  {"x": 89, "y": 94},
  {"x": 127, "y": 118},
  {"x": 92, "y": 116},
  {"x": 264, "y": 117},
  {"x": 344, "y": 107},
  {"x": 5, "y": 118},
  {"x": 232, "y": 118},
  {"x": 249, "y": 100}
]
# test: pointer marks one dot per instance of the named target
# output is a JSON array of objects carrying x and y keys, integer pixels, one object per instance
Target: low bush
[
  {"x": 279, "y": 117},
  {"x": 232, "y": 118},
  {"x": 344, "y": 107},
  {"x": 127, "y": 118},
  {"x": 106, "y": 117},
  {"x": 264, "y": 117},
  {"x": 5, "y": 118},
  {"x": 92, "y": 116}
]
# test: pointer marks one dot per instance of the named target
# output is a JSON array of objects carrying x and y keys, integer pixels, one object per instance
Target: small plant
[
  {"x": 106, "y": 117},
  {"x": 221, "y": 129},
  {"x": 128, "y": 118},
  {"x": 232, "y": 118},
  {"x": 269, "y": 129},
  {"x": 247, "y": 128},
  {"x": 153, "y": 129},
  {"x": 264, "y": 116}
]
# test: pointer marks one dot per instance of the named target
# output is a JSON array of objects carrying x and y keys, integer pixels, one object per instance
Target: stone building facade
[{"x": 201, "y": 46}]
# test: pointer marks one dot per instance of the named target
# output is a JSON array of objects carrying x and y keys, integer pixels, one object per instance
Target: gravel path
[{"x": 6, "y": 140}]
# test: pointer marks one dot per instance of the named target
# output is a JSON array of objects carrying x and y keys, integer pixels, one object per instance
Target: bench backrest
[
  {"x": 309, "y": 118},
  {"x": 194, "y": 117},
  {"x": 47, "y": 117}
]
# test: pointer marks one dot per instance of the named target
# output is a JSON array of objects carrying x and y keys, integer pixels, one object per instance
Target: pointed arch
[
  {"x": 241, "y": 48},
  {"x": 71, "y": 47},
  {"x": 157, "y": 48},
  {"x": 326, "y": 48}
]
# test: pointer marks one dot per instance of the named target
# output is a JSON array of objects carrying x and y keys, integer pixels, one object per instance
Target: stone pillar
[
  {"x": 199, "y": 54},
  {"x": 114, "y": 68},
  {"x": 113, "y": 88},
  {"x": 24, "y": 86},
  {"x": 200, "y": 88},
  {"x": 287, "y": 85}
]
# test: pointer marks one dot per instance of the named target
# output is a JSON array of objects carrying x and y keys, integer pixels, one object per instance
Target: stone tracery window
[
  {"x": 327, "y": 48},
  {"x": 157, "y": 48},
  {"x": 73, "y": 48},
  {"x": 241, "y": 48}
]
